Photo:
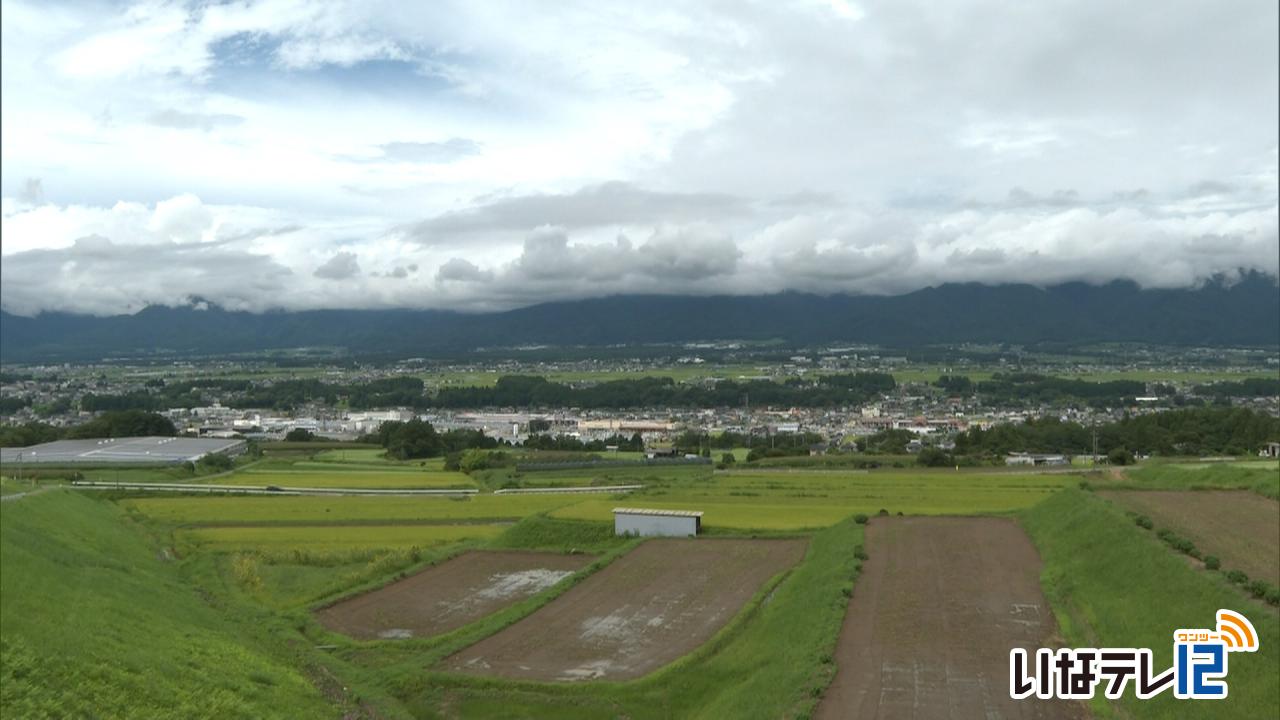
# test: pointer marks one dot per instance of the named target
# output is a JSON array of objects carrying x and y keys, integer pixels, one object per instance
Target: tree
[
  {"x": 127, "y": 423},
  {"x": 1119, "y": 456},
  {"x": 933, "y": 457},
  {"x": 217, "y": 462},
  {"x": 413, "y": 439},
  {"x": 300, "y": 435}
]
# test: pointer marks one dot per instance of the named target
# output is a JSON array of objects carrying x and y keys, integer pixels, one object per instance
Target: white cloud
[{"x": 517, "y": 153}]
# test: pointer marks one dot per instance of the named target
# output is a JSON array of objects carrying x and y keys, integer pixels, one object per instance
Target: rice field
[
  {"x": 363, "y": 479},
  {"x": 804, "y": 500},
  {"x": 310, "y": 510},
  {"x": 328, "y": 538}
]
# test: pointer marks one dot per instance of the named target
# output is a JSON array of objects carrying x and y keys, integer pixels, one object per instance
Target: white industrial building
[
  {"x": 129, "y": 450},
  {"x": 646, "y": 522}
]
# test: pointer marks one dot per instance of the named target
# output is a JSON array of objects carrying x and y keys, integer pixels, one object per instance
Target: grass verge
[{"x": 1113, "y": 584}]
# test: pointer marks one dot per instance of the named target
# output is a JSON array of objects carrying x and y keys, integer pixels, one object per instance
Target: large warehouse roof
[{"x": 133, "y": 450}]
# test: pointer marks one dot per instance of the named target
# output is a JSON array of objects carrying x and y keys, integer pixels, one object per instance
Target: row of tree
[
  {"x": 1194, "y": 431},
  {"x": 126, "y": 423},
  {"x": 535, "y": 391},
  {"x": 1030, "y": 388}
]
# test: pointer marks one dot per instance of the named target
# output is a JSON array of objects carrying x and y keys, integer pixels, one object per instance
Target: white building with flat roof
[{"x": 648, "y": 522}]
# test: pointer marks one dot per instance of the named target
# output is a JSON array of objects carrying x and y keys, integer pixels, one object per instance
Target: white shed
[{"x": 647, "y": 522}]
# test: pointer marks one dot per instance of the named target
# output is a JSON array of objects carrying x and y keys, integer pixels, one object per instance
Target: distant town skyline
[{"x": 300, "y": 155}]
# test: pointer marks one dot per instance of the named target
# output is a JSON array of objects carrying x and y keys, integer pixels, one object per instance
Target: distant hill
[{"x": 1246, "y": 313}]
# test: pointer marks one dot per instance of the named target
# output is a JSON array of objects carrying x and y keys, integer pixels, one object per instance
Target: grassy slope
[
  {"x": 1262, "y": 477},
  {"x": 1113, "y": 584},
  {"x": 95, "y": 625}
]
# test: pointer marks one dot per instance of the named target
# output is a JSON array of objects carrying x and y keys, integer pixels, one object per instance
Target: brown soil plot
[
  {"x": 938, "y": 606},
  {"x": 644, "y": 610},
  {"x": 1240, "y": 527},
  {"x": 447, "y": 596}
]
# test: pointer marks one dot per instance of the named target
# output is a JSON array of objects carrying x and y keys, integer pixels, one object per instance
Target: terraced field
[
  {"x": 447, "y": 596},
  {"x": 660, "y": 601}
]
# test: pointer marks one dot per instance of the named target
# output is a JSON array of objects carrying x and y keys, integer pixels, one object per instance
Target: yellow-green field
[
  {"x": 339, "y": 510},
  {"x": 786, "y": 500},
  {"x": 330, "y": 538},
  {"x": 803, "y": 500},
  {"x": 359, "y": 455},
  {"x": 352, "y": 479}
]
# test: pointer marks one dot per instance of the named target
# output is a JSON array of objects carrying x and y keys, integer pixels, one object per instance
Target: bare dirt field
[
  {"x": 660, "y": 601},
  {"x": 1240, "y": 527},
  {"x": 938, "y": 606},
  {"x": 447, "y": 596}
]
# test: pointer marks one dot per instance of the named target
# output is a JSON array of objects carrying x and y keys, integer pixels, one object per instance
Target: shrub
[
  {"x": 860, "y": 518},
  {"x": 1237, "y": 577},
  {"x": 1257, "y": 588},
  {"x": 1120, "y": 456},
  {"x": 1273, "y": 596},
  {"x": 883, "y": 512},
  {"x": 860, "y": 553},
  {"x": 216, "y": 461},
  {"x": 1211, "y": 562},
  {"x": 300, "y": 435},
  {"x": 1144, "y": 522}
]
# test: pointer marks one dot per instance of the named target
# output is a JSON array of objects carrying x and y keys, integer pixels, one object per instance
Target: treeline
[
  {"x": 11, "y": 405},
  {"x": 290, "y": 394},
  {"x": 127, "y": 423},
  {"x": 1249, "y": 387},
  {"x": 534, "y": 391},
  {"x": 1032, "y": 388},
  {"x": 416, "y": 438},
  {"x": 567, "y": 443},
  {"x": 419, "y": 439},
  {"x": 163, "y": 395},
  {"x": 1196, "y": 431}
]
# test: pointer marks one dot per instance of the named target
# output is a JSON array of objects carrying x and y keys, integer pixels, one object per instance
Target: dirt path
[
  {"x": 940, "y": 603},
  {"x": 447, "y": 596},
  {"x": 26, "y": 493},
  {"x": 660, "y": 601}
]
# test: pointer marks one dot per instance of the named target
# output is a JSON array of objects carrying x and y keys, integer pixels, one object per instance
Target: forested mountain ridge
[{"x": 1246, "y": 313}]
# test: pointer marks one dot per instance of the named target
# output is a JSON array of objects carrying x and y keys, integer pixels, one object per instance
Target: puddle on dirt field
[{"x": 522, "y": 582}]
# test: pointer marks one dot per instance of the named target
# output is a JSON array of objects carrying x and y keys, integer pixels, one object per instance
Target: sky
[{"x": 295, "y": 154}]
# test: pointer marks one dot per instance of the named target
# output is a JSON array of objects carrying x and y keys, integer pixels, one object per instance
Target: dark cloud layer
[{"x": 607, "y": 204}]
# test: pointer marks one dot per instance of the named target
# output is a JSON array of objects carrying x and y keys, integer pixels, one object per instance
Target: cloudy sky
[{"x": 479, "y": 155}]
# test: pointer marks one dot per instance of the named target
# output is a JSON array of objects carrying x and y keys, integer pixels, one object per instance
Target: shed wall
[{"x": 647, "y": 525}]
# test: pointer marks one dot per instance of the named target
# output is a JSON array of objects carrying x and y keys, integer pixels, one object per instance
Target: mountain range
[{"x": 1243, "y": 313}]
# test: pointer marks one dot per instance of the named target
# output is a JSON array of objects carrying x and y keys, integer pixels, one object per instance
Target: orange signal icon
[{"x": 1237, "y": 632}]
